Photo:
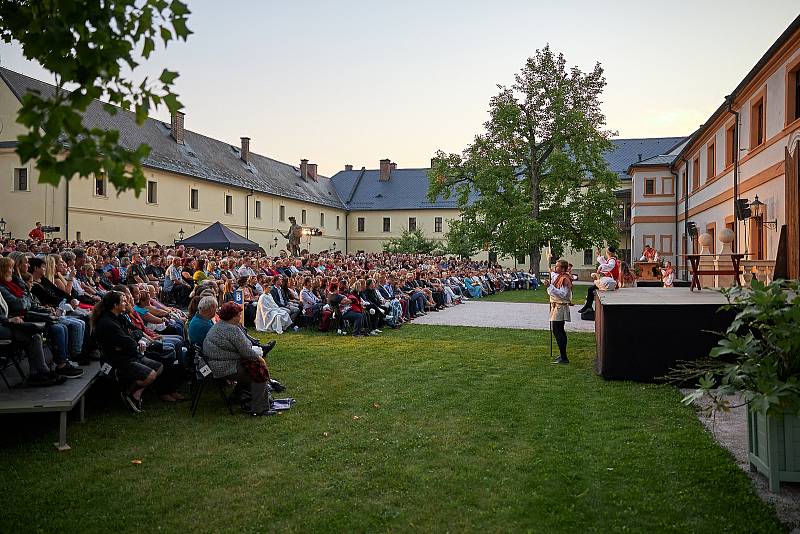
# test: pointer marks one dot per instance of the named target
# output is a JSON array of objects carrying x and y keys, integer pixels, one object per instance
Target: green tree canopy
[
  {"x": 537, "y": 173},
  {"x": 410, "y": 242},
  {"x": 86, "y": 45}
]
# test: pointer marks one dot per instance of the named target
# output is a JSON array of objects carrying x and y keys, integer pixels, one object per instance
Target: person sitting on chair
[{"x": 230, "y": 355}]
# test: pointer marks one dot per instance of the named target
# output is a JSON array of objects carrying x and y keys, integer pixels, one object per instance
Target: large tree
[
  {"x": 537, "y": 173},
  {"x": 86, "y": 45}
]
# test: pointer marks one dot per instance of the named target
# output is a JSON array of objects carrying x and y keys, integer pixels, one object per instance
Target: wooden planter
[{"x": 774, "y": 447}]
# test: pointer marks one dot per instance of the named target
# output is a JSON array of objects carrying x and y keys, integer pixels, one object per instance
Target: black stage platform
[{"x": 642, "y": 331}]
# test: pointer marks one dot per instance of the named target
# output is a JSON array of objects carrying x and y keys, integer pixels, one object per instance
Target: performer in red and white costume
[{"x": 605, "y": 279}]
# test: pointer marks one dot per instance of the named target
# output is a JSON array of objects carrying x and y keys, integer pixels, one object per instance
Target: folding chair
[
  {"x": 202, "y": 374},
  {"x": 10, "y": 356}
]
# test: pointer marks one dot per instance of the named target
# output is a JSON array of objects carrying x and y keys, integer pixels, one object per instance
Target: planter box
[{"x": 774, "y": 447}]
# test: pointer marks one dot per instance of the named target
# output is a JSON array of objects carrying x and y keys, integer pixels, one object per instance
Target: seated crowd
[{"x": 150, "y": 311}]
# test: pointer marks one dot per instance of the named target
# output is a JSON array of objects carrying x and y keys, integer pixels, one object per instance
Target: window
[
  {"x": 648, "y": 241},
  {"x": 437, "y": 224},
  {"x": 321, "y": 219},
  {"x": 303, "y": 217},
  {"x": 387, "y": 224},
  {"x": 711, "y": 161},
  {"x": 258, "y": 209},
  {"x": 796, "y": 91},
  {"x": 730, "y": 144},
  {"x": 228, "y": 205},
  {"x": 361, "y": 224},
  {"x": 650, "y": 186},
  {"x": 282, "y": 213},
  {"x": 793, "y": 93},
  {"x": 696, "y": 173},
  {"x": 194, "y": 199},
  {"x": 757, "y": 122},
  {"x": 520, "y": 258},
  {"x": 152, "y": 192},
  {"x": 588, "y": 257},
  {"x": 100, "y": 185},
  {"x": 77, "y": 236},
  {"x": 337, "y": 222},
  {"x": 412, "y": 223},
  {"x": 21, "y": 179}
]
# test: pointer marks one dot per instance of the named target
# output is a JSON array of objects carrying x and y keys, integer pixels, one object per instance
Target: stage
[{"x": 642, "y": 331}]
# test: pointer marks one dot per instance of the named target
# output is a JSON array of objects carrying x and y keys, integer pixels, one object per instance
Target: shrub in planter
[{"x": 759, "y": 358}]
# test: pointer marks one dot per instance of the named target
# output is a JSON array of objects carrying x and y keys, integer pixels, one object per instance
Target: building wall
[{"x": 373, "y": 236}]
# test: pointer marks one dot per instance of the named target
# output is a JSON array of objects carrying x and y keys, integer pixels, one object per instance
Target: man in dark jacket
[{"x": 122, "y": 351}]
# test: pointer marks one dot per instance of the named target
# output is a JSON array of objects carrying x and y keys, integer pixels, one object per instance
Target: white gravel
[{"x": 489, "y": 314}]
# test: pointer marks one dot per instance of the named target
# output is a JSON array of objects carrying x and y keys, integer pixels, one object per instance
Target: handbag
[{"x": 256, "y": 369}]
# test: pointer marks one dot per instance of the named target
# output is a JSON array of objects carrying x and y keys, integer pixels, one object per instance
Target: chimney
[
  {"x": 177, "y": 127},
  {"x": 386, "y": 170},
  {"x": 312, "y": 171},
  {"x": 245, "y": 151},
  {"x": 393, "y": 166},
  {"x": 348, "y": 167},
  {"x": 303, "y": 169}
]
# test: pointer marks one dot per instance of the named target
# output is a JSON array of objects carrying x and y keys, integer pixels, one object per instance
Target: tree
[
  {"x": 537, "y": 172},
  {"x": 459, "y": 241},
  {"x": 86, "y": 45},
  {"x": 410, "y": 242}
]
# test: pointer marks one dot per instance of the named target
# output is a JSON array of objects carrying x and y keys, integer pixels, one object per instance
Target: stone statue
[{"x": 294, "y": 235}]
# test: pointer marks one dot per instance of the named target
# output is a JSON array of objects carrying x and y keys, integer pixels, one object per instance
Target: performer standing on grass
[{"x": 560, "y": 292}]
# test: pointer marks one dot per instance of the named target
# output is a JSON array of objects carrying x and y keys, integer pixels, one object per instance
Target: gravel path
[{"x": 503, "y": 315}]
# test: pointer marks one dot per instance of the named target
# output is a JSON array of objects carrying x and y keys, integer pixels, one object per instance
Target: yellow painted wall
[{"x": 373, "y": 236}]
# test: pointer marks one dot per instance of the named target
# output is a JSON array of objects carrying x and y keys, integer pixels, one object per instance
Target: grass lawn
[
  {"x": 423, "y": 429},
  {"x": 538, "y": 295}
]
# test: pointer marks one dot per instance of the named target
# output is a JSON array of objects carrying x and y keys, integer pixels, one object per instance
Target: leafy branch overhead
[
  {"x": 86, "y": 46},
  {"x": 537, "y": 172}
]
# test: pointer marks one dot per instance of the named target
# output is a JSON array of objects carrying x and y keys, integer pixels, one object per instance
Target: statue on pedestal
[{"x": 294, "y": 235}]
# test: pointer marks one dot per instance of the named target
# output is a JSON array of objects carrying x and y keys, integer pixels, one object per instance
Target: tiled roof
[
  {"x": 200, "y": 157},
  {"x": 630, "y": 151},
  {"x": 406, "y": 189}
]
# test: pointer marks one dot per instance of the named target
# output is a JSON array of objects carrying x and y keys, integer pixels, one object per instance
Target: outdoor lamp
[
  {"x": 334, "y": 245},
  {"x": 181, "y": 233},
  {"x": 2, "y": 226},
  {"x": 759, "y": 211}
]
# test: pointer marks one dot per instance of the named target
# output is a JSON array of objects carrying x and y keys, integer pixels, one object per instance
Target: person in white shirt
[
  {"x": 559, "y": 289},
  {"x": 605, "y": 279}
]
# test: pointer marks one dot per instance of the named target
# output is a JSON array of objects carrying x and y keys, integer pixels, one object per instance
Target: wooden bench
[{"x": 61, "y": 398}]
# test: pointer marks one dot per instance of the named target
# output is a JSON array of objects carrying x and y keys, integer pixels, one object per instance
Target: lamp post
[
  {"x": 759, "y": 211},
  {"x": 333, "y": 246}
]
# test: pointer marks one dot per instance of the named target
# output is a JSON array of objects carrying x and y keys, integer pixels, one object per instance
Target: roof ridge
[{"x": 148, "y": 118}]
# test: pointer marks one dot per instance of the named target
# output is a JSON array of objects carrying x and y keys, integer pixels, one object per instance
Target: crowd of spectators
[{"x": 150, "y": 305}]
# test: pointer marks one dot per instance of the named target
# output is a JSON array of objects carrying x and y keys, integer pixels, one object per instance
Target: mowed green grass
[
  {"x": 427, "y": 429},
  {"x": 538, "y": 295}
]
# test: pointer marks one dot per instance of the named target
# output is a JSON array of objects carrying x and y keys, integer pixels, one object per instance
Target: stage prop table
[
  {"x": 642, "y": 332},
  {"x": 646, "y": 270},
  {"x": 694, "y": 261}
]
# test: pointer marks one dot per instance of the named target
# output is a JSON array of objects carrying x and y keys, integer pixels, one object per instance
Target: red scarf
[{"x": 14, "y": 288}]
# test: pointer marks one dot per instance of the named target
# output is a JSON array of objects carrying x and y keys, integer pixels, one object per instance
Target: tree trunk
[
  {"x": 535, "y": 251},
  {"x": 536, "y": 258}
]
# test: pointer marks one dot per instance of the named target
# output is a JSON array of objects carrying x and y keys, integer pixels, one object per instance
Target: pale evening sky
[{"x": 356, "y": 81}]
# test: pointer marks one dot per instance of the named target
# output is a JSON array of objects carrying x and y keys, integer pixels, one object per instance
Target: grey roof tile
[{"x": 201, "y": 157}]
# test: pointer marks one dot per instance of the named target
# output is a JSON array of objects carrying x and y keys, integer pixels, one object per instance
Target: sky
[{"x": 356, "y": 81}]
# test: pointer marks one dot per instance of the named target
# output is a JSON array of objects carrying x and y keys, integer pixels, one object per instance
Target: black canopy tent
[{"x": 219, "y": 237}]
